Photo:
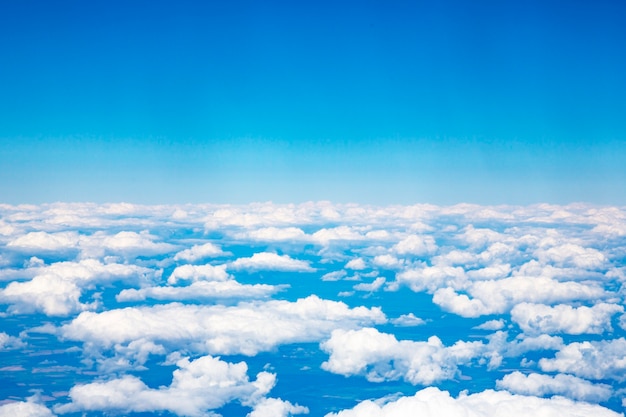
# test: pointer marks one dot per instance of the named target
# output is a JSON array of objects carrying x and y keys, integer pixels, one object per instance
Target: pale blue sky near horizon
[{"x": 376, "y": 102}]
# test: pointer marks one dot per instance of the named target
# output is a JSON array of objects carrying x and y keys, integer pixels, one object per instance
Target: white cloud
[
  {"x": 198, "y": 252},
  {"x": 408, "y": 320},
  {"x": 563, "y": 318},
  {"x": 430, "y": 278},
  {"x": 198, "y": 273},
  {"x": 491, "y": 325},
  {"x": 274, "y": 234},
  {"x": 357, "y": 264},
  {"x": 388, "y": 261},
  {"x": 499, "y": 296},
  {"x": 416, "y": 245},
  {"x": 381, "y": 357},
  {"x": 10, "y": 342},
  {"x": 275, "y": 407},
  {"x": 200, "y": 290},
  {"x": 43, "y": 241},
  {"x": 198, "y": 386},
  {"x": 56, "y": 290},
  {"x": 267, "y": 261},
  {"x": 603, "y": 359},
  {"x": 29, "y": 408},
  {"x": 573, "y": 255},
  {"x": 247, "y": 328},
  {"x": 431, "y": 402},
  {"x": 334, "y": 275},
  {"x": 370, "y": 287},
  {"x": 341, "y": 233},
  {"x": 560, "y": 384}
]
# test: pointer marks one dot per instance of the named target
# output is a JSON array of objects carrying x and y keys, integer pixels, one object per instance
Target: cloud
[
  {"x": 334, "y": 275},
  {"x": 28, "y": 408},
  {"x": 371, "y": 287},
  {"x": 563, "y": 318},
  {"x": 560, "y": 384},
  {"x": 432, "y": 402},
  {"x": 198, "y": 272},
  {"x": 491, "y": 325},
  {"x": 499, "y": 296},
  {"x": 407, "y": 320},
  {"x": 275, "y": 407},
  {"x": 10, "y": 342},
  {"x": 356, "y": 264},
  {"x": 198, "y": 386},
  {"x": 415, "y": 245},
  {"x": 381, "y": 357},
  {"x": 274, "y": 234},
  {"x": 57, "y": 289},
  {"x": 198, "y": 252},
  {"x": 201, "y": 290},
  {"x": 46, "y": 242},
  {"x": 247, "y": 328},
  {"x": 267, "y": 261},
  {"x": 602, "y": 359}
]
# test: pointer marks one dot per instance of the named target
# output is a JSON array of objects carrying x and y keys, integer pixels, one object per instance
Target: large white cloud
[
  {"x": 563, "y": 318},
  {"x": 381, "y": 357},
  {"x": 25, "y": 409},
  {"x": 197, "y": 252},
  {"x": 197, "y": 387},
  {"x": 56, "y": 289},
  {"x": 604, "y": 359},
  {"x": 432, "y": 402},
  {"x": 201, "y": 290},
  {"x": 268, "y": 261},
  {"x": 560, "y": 384},
  {"x": 246, "y": 328},
  {"x": 198, "y": 272}
]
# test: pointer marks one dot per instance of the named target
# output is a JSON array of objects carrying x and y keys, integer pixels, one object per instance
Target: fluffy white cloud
[
  {"x": 407, "y": 320},
  {"x": 499, "y": 296},
  {"x": 43, "y": 241},
  {"x": 491, "y": 325},
  {"x": 570, "y": 254},
  {"x": 274, "y": 234},
  {"x": 431, "y": 402},
  {"x": 56, "y": 289},
  {"x": 370, "y": 287},
  {"x": 201, "y": 290},
  {"x": 198, "y": 272},
  {"x": 603, "y": 359},
  {"x": 10, "y": 342},
  {"x": 416, "y": 245},
  {"x": 198, "y": 252},
  {"x": 431, "y": 278},
  {"x": 275, "y": 407},
  {"x": 381, "y": 357},
  {"x": 334, "y": 275},
  {"x": 198, "y": 386},
  {"x": 267, "y": 261},
  {"x": 247, "y": 328},
  {"x": 25, "y": 409},
  {"x": 356, "y": 264},
  {"x": 563, "y": 318},
  {"x": 560, "y": 384}
]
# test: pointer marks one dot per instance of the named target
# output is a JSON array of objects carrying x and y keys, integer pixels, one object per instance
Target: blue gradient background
[{"x": 369, "y": 101}]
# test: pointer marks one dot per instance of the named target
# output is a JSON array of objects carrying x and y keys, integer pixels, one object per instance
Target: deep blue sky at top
[{"x": 373, "y": 101}]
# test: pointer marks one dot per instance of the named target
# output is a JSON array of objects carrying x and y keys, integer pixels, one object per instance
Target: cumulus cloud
[
  {"x": 370, "y": 287},
  {"x": 560, "y": 384},
  {"x": 381, "y": 357},
  {"x": 356, "y": 264},
  {"x": 602, "y": 359},
  {"x": 563, "y": 318},
  {"x": 434, "y": 402},
  {"x": 29, "y": 408},
  {"x": 201, "y": 290},
  {"x": 415, "y": 245},
  {"x": 274, "y": 234},
  {"x": 275, "y": 407},
  {"x": 491, "y": 325},
  {"x": 267, "y": 261},
  {"x": 56, "y": 290},
  {"x": 334, "y": 275},
  {"x": 10, "y": 342},
  {"x": 247, "y": 328},
  {"x": 198, "y": 252},
  {"x": 407, "y": 320},
  {"x": 499, "y": 296},
  {"x": 198, "y": 386},
  {"x": 198, "y": 272}
]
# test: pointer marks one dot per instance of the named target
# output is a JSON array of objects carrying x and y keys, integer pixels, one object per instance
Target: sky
[{"x": 375, "y": 102}]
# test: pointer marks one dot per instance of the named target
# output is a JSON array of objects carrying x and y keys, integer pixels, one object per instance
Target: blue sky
[{"x": 376, "y": 102}]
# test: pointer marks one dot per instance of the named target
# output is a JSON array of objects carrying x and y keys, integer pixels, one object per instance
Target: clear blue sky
[{"x": 369, "y": 101}]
